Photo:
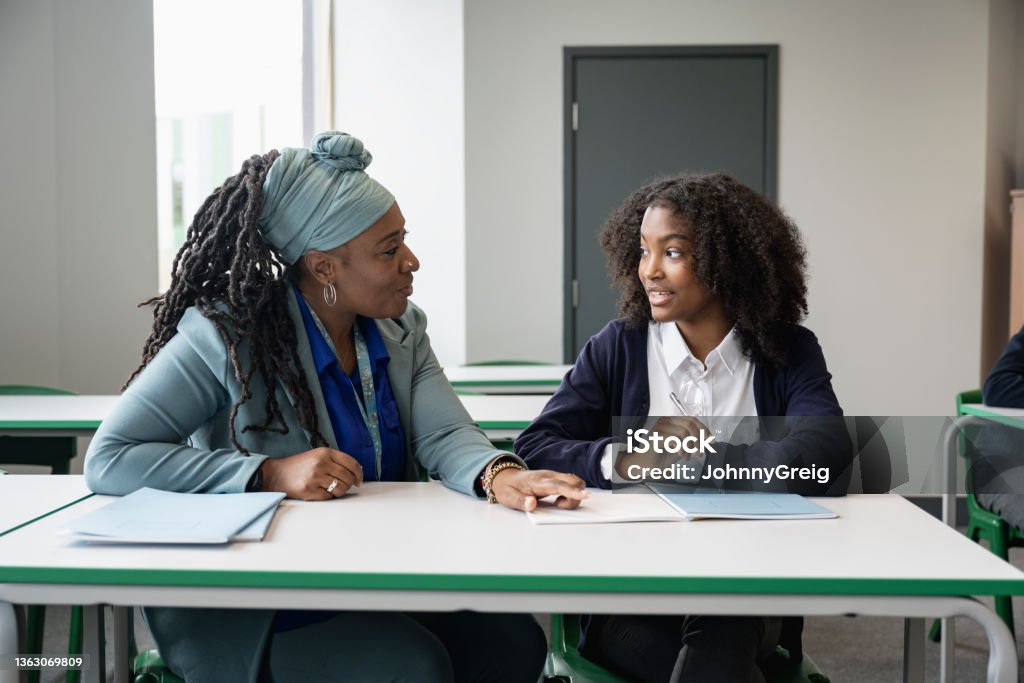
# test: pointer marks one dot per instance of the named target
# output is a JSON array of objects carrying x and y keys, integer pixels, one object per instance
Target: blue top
[
  {"x": 1005, "y": 384},
  {"x": 796, "y": 407},
  {"x": 342, "y": 391}
]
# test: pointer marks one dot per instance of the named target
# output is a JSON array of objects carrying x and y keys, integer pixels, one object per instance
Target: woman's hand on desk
[
  {"x": 312, "y": 475},
  {"x": 520, "y": 489}
]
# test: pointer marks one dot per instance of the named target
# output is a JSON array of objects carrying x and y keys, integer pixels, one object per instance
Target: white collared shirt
[{"x": 722, "y": 388}]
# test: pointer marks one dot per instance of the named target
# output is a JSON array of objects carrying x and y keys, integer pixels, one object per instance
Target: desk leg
[
  {"x": 1002, "y": 659},
  {"x": 122, "y": 657},
  {"x": 913, "y": 651},
  {"x": 947, "y": 662},
  {"x": 8, "y": 641},
  {"x": 93, "y": 646},
  {"x": 947, "y": 665}
]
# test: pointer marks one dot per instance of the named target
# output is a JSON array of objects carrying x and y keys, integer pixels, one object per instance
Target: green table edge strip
[
  {"x": 994, "y": 417},
  {"x": 4, "y": 532},
  {"x": 49, "y": 424},
  {"x": 509, "y": 583},
  {"x": 503, "y": 424}
]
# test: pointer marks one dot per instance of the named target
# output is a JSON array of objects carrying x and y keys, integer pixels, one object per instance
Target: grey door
[{"x": 633, "y": 114}]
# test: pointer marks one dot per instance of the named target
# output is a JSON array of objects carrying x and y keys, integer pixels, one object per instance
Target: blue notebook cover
[
  {"x": 153, "y": 516},
  {"x": 741, "y": 505}
]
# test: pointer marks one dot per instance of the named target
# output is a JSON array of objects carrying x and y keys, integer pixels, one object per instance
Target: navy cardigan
[
  {"x": 1005, "y": 384},
  {"x": 609, "y": 379}
]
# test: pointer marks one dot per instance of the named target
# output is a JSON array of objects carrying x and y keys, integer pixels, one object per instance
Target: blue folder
[
  {"x": 741, "y": 505},
  {"x": 153, "y": 516}
]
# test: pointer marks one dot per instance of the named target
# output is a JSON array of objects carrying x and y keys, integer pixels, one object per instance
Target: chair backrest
[
  {"x": 54, "y": 452},
  {"x": 971, "y": 396}
]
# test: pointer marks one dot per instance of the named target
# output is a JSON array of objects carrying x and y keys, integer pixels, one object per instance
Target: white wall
[
  {"x": 881, "y": 163},
  {"x": 399, "y": 88},
  {"x": 28, "y": 222},
  {"x": 78, "y": 190}
]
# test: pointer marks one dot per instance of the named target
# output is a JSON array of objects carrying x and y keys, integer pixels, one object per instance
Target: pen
[{"x": 676, "y": 401}]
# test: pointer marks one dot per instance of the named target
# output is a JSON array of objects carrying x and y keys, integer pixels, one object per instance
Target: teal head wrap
[{"x": 320, "y": 198}]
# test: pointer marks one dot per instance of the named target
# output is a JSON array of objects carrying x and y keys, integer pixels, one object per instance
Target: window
[{"x": 228, "y": 79}]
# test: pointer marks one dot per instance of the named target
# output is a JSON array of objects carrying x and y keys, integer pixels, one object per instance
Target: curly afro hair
[{"x": 745, "y": 249}]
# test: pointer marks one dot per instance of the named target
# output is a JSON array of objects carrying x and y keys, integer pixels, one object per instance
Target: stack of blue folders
[{"x": 152, "y": 516}]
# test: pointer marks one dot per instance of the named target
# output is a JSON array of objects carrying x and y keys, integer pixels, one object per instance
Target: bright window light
[{"x": 228, "y": 85}]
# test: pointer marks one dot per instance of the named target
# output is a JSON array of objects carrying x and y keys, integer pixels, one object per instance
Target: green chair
[
  {"x": 566, "y": 665},
  {"x": 150, "y": 668},
  {"x": 985, "y": 525},
  {"x": 56, "y": 453}
]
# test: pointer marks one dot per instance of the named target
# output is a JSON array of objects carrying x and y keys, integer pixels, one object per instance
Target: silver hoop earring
[{"x": 330, "y": 294}]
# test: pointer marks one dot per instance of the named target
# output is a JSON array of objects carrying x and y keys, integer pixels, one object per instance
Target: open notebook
[
  {"x": 661, "y": 503},
  {"x": 153, "y": 516}
]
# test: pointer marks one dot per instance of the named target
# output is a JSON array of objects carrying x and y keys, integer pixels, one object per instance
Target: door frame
[{"x": 770, "y": 55}]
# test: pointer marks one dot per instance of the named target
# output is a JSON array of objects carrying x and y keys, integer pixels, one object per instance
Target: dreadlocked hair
[
  {"x": 745, "y": 249},
  {"x": 232, "y": 276}
]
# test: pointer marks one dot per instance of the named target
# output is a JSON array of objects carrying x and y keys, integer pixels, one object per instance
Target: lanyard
[
  {"x": 368, "y": 406},
  {"x": 369, "y": 410}
]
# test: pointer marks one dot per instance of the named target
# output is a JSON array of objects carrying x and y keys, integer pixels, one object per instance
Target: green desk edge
[
  {"x": 510, "y": 583},
  {"x": 49, "y": 424},
  {"x": 995, "y": 417}
]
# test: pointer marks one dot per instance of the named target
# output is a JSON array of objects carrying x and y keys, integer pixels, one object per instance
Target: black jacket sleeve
[
  {"x": 1005, "y": 384},
  {"x": 572, "y": 431}
]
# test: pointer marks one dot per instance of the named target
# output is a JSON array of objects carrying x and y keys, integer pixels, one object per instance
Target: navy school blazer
[{"x": 800, "y": 418}]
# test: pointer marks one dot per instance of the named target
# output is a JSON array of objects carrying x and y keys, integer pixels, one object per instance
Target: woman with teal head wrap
[{"x": 286, "y": 356}]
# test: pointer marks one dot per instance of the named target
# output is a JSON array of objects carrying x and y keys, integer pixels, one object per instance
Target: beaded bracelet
[{"x": 489, "y": 477}]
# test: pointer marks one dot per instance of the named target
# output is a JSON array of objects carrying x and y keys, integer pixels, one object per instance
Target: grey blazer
[{"x": 169, "y": 431}]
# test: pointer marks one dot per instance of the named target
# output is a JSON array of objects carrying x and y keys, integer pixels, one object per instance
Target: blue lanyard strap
[{"x": 368, "y": 406}]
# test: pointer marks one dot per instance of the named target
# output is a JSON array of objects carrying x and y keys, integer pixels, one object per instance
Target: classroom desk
[
  {"x": 501, "y": 417},
  {"x": 53, "y": 415},
  {"x": 882, "y": 557},
  {"x": 27, "y": 497},
  {"x": 507, "y": 379},
  {"x": 1012, "y": 417}
]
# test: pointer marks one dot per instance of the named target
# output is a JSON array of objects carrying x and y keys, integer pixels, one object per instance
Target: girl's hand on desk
[
  {"x": 521, "y": 489},
  {"x": 309, "y": 475},
  {"x": 679, "y": 427}
]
